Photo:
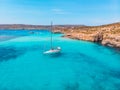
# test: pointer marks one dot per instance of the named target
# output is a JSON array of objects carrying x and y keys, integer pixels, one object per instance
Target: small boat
[{"x": 52, "y": 50}]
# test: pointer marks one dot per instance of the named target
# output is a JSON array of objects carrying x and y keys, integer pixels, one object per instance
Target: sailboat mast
[{"x": 51, "y": 35}]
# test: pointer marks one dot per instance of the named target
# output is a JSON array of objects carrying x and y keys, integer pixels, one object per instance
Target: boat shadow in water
[
  {"x": 9, "y": 52},
  {"x": 55, "y": 55}
]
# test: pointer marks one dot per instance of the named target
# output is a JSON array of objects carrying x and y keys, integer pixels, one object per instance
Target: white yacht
[{"x": 52, "y": 49}]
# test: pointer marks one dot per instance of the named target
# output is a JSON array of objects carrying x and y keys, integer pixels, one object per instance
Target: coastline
[{"x": 108, "y": 35}]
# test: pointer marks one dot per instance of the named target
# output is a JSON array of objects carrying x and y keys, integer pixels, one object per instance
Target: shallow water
[{"x": 80, "y": 66}]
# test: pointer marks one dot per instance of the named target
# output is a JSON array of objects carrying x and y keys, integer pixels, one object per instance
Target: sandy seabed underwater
[{"x": 80, "y": 66}]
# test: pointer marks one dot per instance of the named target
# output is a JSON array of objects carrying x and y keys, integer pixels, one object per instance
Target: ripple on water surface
[{"x": 80, "y": 66}]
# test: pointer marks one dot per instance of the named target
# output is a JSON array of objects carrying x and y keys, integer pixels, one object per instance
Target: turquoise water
[{"x": 80, "y": 66}]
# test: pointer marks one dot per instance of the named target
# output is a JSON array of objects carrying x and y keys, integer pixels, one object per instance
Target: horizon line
[{"x": 59, "y": 24}]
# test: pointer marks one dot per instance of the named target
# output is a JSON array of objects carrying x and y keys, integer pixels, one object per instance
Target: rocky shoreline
[
  {"x": 114, "y": 42},
  {"x": 108, "y": 35}
]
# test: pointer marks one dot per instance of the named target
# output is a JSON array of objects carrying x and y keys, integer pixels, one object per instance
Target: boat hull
[{"x": 52, "y": 52}]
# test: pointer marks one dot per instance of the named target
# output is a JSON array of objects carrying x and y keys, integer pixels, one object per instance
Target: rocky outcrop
[
  {"x": 112, "y": 41},
  {"x": 98, "y": 37},
  {"x": 108, "y": 35},
  {"x": 57, "y": 32}
]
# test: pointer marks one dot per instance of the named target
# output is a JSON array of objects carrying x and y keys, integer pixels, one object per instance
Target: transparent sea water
[{"x": 80, "y": 66}]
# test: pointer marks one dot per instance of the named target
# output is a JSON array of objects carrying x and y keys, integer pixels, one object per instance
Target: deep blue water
[{"x": 80, "y": 66}]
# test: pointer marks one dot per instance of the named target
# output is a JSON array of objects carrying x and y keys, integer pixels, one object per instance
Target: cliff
[{"x": 105, "y": 34}]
